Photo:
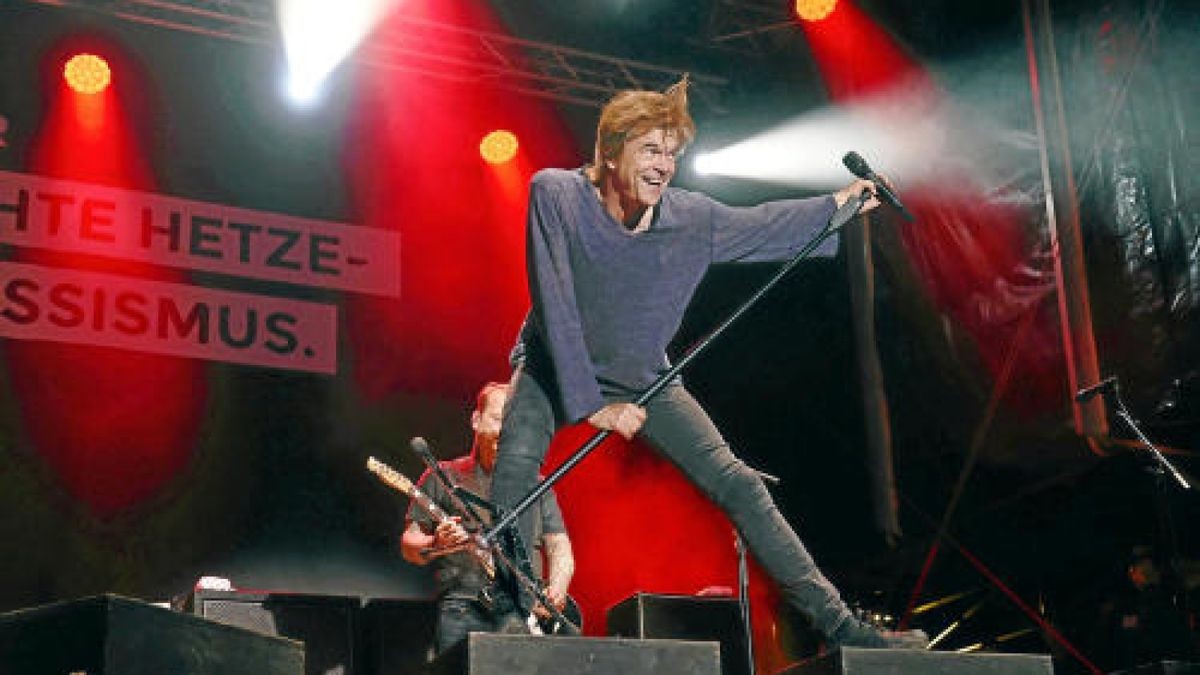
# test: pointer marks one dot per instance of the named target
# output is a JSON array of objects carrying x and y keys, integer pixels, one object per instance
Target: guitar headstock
[{"x": 390, "y": 476}]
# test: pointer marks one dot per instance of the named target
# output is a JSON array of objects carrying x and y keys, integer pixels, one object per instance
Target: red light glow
[
  {"x": 414, "y": 148},
  {"x": 114, "y": 427},
  {"x": 989, "y": 289}
]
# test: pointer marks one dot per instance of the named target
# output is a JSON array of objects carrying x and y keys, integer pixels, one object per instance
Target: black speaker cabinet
[
  {"x": 398, "y": 636},
  {"x": 112, "y": 635},
  {"x": 326, "y": 624},
  {"x": 685, "y": 617},
  {"x": 859, "y": 661},
  {"x": 491, "y": 654}
]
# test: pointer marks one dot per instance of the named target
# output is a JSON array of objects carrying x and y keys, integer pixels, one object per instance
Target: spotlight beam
[
  {"x": 805, "y": 152},
  {"x": 319, "y": 35}
]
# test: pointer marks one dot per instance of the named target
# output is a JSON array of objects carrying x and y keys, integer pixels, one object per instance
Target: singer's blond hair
[{"x": 632, "y": 113}]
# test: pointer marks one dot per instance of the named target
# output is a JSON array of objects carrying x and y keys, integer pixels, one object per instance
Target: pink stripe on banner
[
  {"x": 88, "y": 308},
  {"x": 64, "y": 215}
]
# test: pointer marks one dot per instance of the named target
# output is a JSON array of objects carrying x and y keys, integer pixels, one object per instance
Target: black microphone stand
[
  {"x": 840, "y": 217},
  {"x": 744, "y": 581},
  {"x": 1112, "y": 397},
  {"x": 1163, "y": 468},
  {"x": 744, "y": 598}
]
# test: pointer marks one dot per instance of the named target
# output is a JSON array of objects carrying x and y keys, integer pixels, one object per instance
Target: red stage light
[
  {"x": 814, "y": 10},
  {"x": 498, "y": 146},
  {"x": 87, "y": 73}
]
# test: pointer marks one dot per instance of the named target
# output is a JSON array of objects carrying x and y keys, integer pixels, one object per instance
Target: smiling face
[
  {"x": 640, "y": 173},
  {"x": 638, "y": 137}
]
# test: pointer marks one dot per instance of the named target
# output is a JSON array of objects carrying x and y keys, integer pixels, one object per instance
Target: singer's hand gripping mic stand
[{"x": 842, "y": 216}]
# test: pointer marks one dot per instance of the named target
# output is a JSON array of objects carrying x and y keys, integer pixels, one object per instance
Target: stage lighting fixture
[
  {"x": 498, "y": 146},
  {"x": 87, "y": 73},
  {"x": 814, "y": 10}
]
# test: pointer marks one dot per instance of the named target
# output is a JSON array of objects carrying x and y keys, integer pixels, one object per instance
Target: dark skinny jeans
[{"x": 678, "y": 428}]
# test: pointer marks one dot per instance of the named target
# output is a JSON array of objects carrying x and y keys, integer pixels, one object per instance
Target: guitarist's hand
[
  {"x": 542, "y": 613},
  {"x": 449, "y": 537},
  {"x": 557, "y": 597},
  {"x": 624, "y": 418}
]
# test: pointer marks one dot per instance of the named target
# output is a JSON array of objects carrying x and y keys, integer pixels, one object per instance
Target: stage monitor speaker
[
  {"x": 398, "y": 636},
  {"x": 492, "y": 654},
  {"x": 859, "y": 661},
  {"x": 112, "y": 635},
  {"x": 326, "y": 624},
  {"x": 685, "y": 617}
]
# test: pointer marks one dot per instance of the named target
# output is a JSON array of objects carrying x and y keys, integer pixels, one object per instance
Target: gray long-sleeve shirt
[{"x": 607, "y": 301}]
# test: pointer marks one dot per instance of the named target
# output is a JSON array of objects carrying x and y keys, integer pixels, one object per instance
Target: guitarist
[{"x": 460, "y": 576}]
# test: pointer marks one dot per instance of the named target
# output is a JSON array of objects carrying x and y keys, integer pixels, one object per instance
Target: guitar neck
[
  {"x": 402, "y": 483},
  {"x": 426, "y": 504}
]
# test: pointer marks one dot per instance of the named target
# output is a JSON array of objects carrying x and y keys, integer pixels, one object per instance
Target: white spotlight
[
  {"x": 903, "y": 134},
  {"x": 803, "y": 153},
  {"x": 319, "y": 34},
  {"x": 303, "y": 91}
]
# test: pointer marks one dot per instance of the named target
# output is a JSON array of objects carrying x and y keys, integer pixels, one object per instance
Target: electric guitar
[
  {"x": 402, "y": 483},
  {"x": 397, "y": 480}
]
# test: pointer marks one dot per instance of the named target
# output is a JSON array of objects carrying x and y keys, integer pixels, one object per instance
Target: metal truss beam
[
  {"x": 430, "y": 48},
  {"x": 742, "y": 26}
]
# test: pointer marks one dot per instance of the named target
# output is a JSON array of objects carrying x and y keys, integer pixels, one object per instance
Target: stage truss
[{"x": 430, "y": 48}]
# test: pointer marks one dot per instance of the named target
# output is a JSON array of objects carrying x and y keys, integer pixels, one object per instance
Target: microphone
[
  {"x": 1104, "y": 386},
  {"x": 420, "y": 446},
  {"x": 859, "y": 167}
]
